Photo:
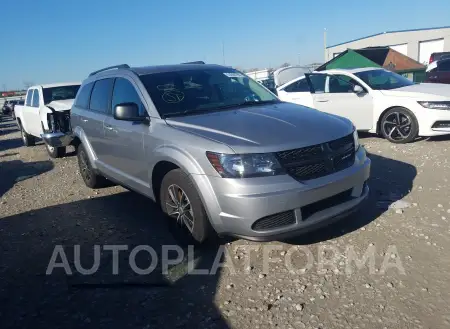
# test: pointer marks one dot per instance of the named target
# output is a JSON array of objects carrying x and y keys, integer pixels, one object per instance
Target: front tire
[
  {"x": 27, "y": 139},
  {"x": 89, "y": 175},
  {"x": 181, "y": 203},
  {"x": 55, "y": 152},
  {"x": 399, "y": 125}
]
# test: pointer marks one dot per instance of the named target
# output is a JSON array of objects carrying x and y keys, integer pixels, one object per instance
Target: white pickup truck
[{"x": 46, "y": 115}]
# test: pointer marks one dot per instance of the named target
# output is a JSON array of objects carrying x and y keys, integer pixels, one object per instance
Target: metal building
[{"x": 418, "y": 44}]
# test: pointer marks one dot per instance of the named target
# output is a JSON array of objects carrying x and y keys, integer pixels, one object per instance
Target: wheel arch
[
  {"x": 81, "y": 138},
  {"x": 159, "y": 171}
]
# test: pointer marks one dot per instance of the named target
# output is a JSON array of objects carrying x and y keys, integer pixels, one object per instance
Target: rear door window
[
  {"x": 35, "y": 102},
  {"x": 29, "y": 95},
  {"x": 83, "y": 96},
  {"x": 101, "y": 95},
  {"x": 318, "y": 82},
  {"x": 298, "y": 86}
]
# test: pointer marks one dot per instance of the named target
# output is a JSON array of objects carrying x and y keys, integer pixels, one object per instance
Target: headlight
[
  {"x": 443, "y": 105},
  {"x": 356, "y": 139},
  {"x": 245, "y": 165}
]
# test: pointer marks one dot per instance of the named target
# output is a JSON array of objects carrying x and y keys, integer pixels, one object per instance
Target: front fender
[
  {"x": 43, "y": 111},
  {"x": 199, "y": 177},
  {"x": 178, "y": 156}
]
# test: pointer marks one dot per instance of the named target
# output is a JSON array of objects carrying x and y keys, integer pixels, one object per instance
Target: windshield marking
[{"x": 173, "y": 96}]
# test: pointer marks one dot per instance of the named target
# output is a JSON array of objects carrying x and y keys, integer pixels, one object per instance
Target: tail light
[{"x": 431, "y": 59}]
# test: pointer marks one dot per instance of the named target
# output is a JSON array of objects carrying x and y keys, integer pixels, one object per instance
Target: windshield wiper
[
  {"x": 218, "y": 108},
  {"x": 248, "y": 103}
]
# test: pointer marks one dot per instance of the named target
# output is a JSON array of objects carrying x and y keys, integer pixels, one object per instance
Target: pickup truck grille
[
  {"x": 59, "y": 121},
  {"x": 319, "y": 160}
]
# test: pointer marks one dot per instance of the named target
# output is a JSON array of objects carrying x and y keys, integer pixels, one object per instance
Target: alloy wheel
[
  {"x": 178, "y": 206},
  {"x": 397, "y": 126}
]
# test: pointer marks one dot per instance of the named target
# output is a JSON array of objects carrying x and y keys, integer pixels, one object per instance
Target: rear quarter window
[{"x": 83, "y": 96}]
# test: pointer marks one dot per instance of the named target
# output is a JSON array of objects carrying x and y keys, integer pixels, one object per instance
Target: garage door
[
  {"x": 426, "y": 48},
  {"x": 402, "y": 49}
]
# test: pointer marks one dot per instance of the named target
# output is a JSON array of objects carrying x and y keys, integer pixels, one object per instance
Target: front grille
[
  {"x": 309, "y": 171},
  {"x": 319, "y": 160},
  {"x": 59, "y": 121},
  {"x": 311, "y": 209},
  {"x": 274, "y": 221}
]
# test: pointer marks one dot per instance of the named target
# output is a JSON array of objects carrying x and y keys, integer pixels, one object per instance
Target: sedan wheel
[{"x": 399, "y": 126}]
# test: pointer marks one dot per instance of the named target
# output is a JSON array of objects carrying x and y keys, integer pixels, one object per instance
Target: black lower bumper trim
[{"x": 302, "y": 230}]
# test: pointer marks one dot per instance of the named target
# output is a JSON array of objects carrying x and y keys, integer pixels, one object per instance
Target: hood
[
  {"x": 266, "y": 128},
  {"x": 425, "y": 91},
  {"x": 61, "y": 105}
]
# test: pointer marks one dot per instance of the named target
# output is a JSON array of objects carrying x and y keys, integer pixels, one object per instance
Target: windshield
[
  {"x": 383, "y": 80},
  {"x": 59, "y": 93},
  {"x": 203, "y": 90}
]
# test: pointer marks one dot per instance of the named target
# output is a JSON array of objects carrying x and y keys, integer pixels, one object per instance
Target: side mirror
[
  {"x": 357, "y": 89},
  {"x": 127, "y": 112}
]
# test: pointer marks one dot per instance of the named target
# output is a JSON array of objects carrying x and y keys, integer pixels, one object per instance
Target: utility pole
[
  {"x": 223, "y": 52},
  {"x": 325, "y": 43}
]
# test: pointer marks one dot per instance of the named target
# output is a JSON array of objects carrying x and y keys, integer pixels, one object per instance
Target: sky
[{"x": 48, "y": 41}]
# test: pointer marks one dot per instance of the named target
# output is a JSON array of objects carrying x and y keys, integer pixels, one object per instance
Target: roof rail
[
  {"x": 120, "y": 66},
  {"x": 196, "y": 62}
]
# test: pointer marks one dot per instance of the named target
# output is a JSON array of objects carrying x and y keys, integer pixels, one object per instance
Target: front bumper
[
  {"x": 234, "y": 206},
  {"x": 428, "y": 120},
  {"x": 57, "y": 139}
]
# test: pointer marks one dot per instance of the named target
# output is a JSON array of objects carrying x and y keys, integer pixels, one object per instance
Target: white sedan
[{"x": 376, "y": 100}]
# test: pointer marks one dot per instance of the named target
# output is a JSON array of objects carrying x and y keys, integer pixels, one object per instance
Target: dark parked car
[
  {"x": 438, "y": 56},
  {"x": 438, "y": 71},
  {"x": 6, "y": 109}
]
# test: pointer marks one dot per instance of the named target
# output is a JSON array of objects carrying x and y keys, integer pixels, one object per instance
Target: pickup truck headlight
[
  {"x": 356, "y": 139},
  {"x": 245, "y": 165},
  {"x": 438, "y": 105}
]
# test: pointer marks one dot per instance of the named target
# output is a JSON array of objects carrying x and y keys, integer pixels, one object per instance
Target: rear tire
[
  {"x": 27, "y": 139},
  {"x": 180, "y": 201},
  {"x": 55, "y": 152},
  {"x": 89, "y": 175},
  {"x": 399, "y": 125}
]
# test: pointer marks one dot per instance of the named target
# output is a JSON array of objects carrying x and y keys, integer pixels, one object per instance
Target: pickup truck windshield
[
  {"x": 188, "y": 92},
  {"x": 59, "y": 93},
  {"x": 383, "y": 80}
]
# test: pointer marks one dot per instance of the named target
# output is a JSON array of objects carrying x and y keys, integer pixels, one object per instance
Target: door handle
[
  {"x": 84, "y": 120},
  {"x": 109, "y": 127},
  {"x": 322, "y": 100}
]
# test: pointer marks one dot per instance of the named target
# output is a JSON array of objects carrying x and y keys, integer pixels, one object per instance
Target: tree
[{"x": 285, "y": 65}]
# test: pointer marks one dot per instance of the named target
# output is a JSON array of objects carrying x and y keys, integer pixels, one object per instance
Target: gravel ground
[{"x": 403, "y": 230}]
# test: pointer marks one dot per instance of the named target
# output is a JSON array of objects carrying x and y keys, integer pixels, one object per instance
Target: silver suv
[{"x": 218, "y": 151}]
